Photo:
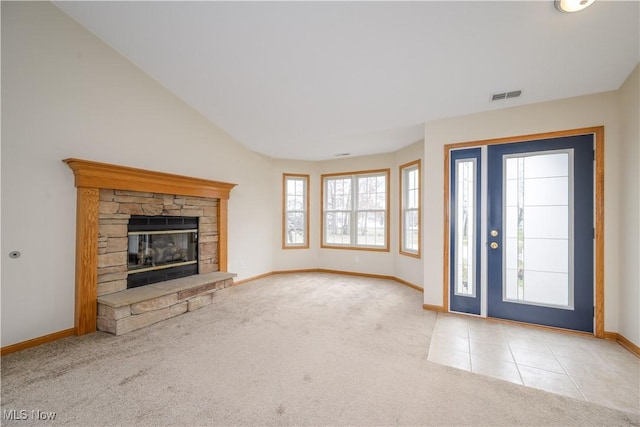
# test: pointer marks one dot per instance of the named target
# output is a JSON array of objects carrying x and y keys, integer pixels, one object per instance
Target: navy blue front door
[
  {"x": 465, "y": 251},
  {"x": 540, "y": 232}
]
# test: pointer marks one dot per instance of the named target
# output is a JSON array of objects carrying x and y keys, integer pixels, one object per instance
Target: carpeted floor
[{"x": 294, "y": 349}]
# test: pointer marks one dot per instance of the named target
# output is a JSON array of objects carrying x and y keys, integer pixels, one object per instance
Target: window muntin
[
  {"x": 410, "y": 209},
  {"x": 295, "y": 216},
  {"x": 355, "y": 210}
]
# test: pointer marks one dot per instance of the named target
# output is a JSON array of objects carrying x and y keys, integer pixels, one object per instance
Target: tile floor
[{"x": 581, "y": 367}]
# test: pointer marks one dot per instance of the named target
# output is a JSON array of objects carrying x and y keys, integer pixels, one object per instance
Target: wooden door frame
[{"x": 598, "y": 133}]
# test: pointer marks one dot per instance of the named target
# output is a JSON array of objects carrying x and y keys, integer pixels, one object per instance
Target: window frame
[
  {"x": 353, "y": 211},
  {"x": 285, "y": 210},
  {"x": 404, "y": 170}
]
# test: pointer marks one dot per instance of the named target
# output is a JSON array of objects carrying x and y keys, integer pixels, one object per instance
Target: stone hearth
[{"x": 135, "y": 308}]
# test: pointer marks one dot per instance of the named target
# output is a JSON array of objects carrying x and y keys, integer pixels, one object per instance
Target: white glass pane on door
[
  {"x": 465, "y": 206},
  {"x": 511, "y": 253},
  {"x": 550, "y": 222},
  {"x": 511, "y": 221},
  {"x": 511, "y": 284},
  {"x": 546, "y": 191},
  {"x": 536, "y": 224},
  {"x": 546, "y": 288},
  {"x": 550, "y": 255},
  {"x": 547, "y": 165}
]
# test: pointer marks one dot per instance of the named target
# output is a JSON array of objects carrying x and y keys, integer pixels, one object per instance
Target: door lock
[
  {"x": 494, "y": 245},
  {"x": 494, "y": 233}
]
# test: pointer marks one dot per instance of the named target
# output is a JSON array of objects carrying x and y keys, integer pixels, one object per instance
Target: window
[
  {"x": 410, "y": 209},
  {"x": 355, "y": 210},
  {"x": 295, "y": 216}
]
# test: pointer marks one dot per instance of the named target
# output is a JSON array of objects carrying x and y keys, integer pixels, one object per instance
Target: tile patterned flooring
[{"x": 581, "y": 367}]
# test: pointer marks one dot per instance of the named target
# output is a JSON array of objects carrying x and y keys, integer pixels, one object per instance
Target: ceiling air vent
[{"x": 506, "y": 95}]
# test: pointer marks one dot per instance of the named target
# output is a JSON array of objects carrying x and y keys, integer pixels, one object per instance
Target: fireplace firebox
[{"x": 161, "y": 248}]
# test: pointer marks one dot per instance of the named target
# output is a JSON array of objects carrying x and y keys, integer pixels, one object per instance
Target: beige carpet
[{"x": 295, "y": 349}]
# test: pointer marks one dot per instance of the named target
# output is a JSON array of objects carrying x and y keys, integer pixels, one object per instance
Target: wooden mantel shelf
[
  {"x": 103, "y": 175},
  {"x": 90, "y": 178}
]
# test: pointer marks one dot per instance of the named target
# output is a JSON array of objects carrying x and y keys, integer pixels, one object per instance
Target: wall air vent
[{"x": 506, "y": 95}]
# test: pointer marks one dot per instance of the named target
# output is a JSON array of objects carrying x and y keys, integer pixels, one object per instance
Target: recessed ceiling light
[{"x": 572, "y": 5}]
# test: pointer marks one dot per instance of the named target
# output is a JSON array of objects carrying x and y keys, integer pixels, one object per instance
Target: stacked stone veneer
[
  {"x": 136, "y": 308},
  {"x": 116, "y": 207}
]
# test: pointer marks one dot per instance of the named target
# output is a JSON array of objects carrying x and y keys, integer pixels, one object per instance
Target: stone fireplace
[
  {"x": 117, "y": 208},
  {"x": 111, "y": 197}
]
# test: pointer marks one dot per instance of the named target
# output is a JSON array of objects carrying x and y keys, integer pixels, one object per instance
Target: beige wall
[
  {"x": 629, "y": 102},
  {"x": 67, "y": 94},
  {"x": 359, "y": 261},
  {"x": 383, "y": 263},
  {"x": 585, "y": 111},
  {"x": 296, "y": 259}
]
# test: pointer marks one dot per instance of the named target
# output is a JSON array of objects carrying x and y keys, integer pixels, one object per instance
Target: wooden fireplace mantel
[{"x": 90, "y": 177}]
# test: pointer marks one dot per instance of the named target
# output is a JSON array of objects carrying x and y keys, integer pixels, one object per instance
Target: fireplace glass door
[{"x": 160, "y": 254}]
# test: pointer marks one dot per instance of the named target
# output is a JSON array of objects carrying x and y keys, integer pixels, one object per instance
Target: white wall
[
  {"x": 405, "y": 267},
  {"x": 573, "y": 113},
  {"x": 67, "y": 94},
  {"x": 629, "y": 99}
]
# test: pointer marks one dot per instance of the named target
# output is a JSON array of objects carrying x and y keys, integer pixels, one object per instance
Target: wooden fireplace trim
[{"x": 90, "y": 177}]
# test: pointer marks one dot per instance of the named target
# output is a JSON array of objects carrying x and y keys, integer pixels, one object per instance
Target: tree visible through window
[
  {"x": 295, "y": 218},
  {"x": 410, "y": 209},
  {"x": 355, "y": 210}
]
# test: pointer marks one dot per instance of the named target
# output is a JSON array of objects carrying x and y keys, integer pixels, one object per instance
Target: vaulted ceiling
[{"x": 309, "y": 80}]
